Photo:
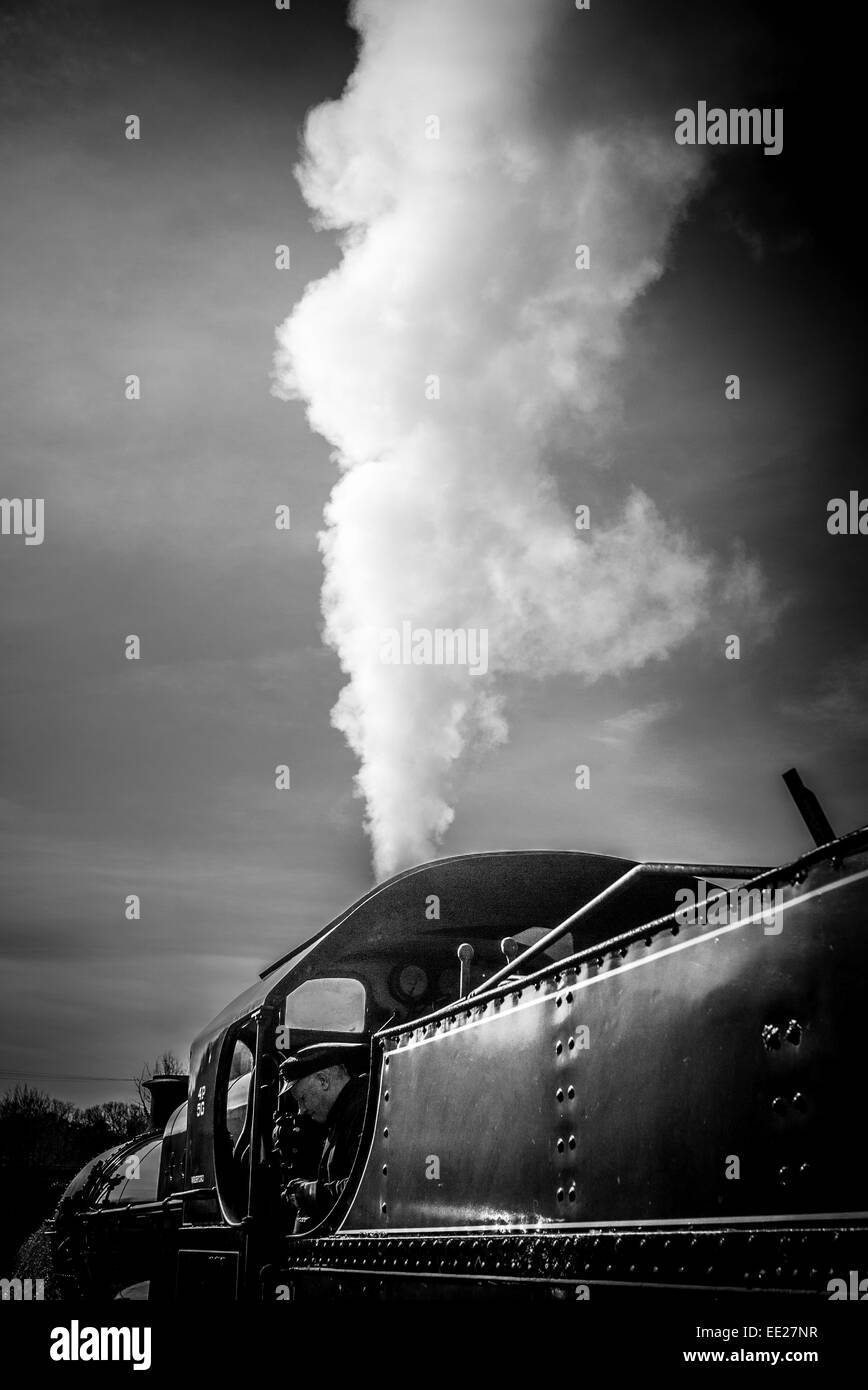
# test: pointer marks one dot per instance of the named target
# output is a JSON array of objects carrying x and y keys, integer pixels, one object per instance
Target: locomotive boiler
[{"x": 577, "y": 1084}]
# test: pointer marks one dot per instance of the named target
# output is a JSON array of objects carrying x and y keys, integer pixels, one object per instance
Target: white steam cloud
[{"x": 459, "y": 260}]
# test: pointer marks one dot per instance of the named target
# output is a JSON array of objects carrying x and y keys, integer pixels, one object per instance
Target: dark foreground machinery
[{"x": 577, "y": 1084}]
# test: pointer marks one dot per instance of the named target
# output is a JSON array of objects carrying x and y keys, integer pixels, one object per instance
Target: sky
[{"x": 157, "y": 257}]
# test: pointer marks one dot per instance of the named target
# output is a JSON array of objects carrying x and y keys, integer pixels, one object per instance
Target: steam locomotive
[{"x": 575, "y": 1085}]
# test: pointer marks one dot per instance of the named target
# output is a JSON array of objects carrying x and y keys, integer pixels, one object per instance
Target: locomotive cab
[
  {"x": 255, "y": 1112},
  {"x": 408, "y": 948}
]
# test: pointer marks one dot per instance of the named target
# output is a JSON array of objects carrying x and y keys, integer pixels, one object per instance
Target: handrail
[
  {"x": 158, "y": 1203},
  {"x": 739, "y": 871}
]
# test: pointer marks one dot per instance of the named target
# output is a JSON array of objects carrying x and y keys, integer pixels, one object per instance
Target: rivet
[
  {"x": 559, "y": 1047},
  {"x": 559, "y": 1001},
  {"x": 572, "y": 1044},
  {"x": 779, "y": 1105},
  {"x": 385, "y": 1169},
  {"x": 570, "y": 997},
  {"x": 572, "y": 1141},
  {"x": 800, "y": 1101},
  {"x": 560, "y": 1146},
  {"x": 570, "y": 1092},
  {"x": 383, "y": 1208},
  {"x": 572, "y": 1194},
  {"x": 560, "y": 1194},
  {"x": 386, "y": 1132},
  {"x": 559, "y": 1095}
]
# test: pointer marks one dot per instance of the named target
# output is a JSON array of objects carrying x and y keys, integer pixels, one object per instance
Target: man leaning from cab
[{"x": 323, "y": 1081}]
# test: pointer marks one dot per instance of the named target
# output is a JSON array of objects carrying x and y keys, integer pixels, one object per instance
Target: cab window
[
  {"x": 236, "y": 1105},
  {"x": 330, "y": 1005},
  {"x": 231, "y": 1135}
]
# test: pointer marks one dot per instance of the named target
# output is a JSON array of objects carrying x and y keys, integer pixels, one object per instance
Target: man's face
[{"x": 314, "y": 1096}]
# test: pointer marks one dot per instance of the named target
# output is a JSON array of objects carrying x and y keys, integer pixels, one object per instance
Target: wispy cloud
[
  {"x": 840, "y": 701},
  {"x": 634, "y": 722}
]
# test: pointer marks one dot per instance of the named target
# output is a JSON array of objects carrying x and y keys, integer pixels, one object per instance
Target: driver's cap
[{"x": 321, "y": 1055}]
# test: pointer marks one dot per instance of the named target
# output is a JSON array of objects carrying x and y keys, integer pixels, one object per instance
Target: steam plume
[{"x": 459, "y": 260}]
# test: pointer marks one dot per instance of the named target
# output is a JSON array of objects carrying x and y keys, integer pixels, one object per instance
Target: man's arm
[{"x": 315, "y": 1197}]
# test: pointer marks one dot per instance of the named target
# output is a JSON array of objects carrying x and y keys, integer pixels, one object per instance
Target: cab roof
[{"x": 492, "y": 893}]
